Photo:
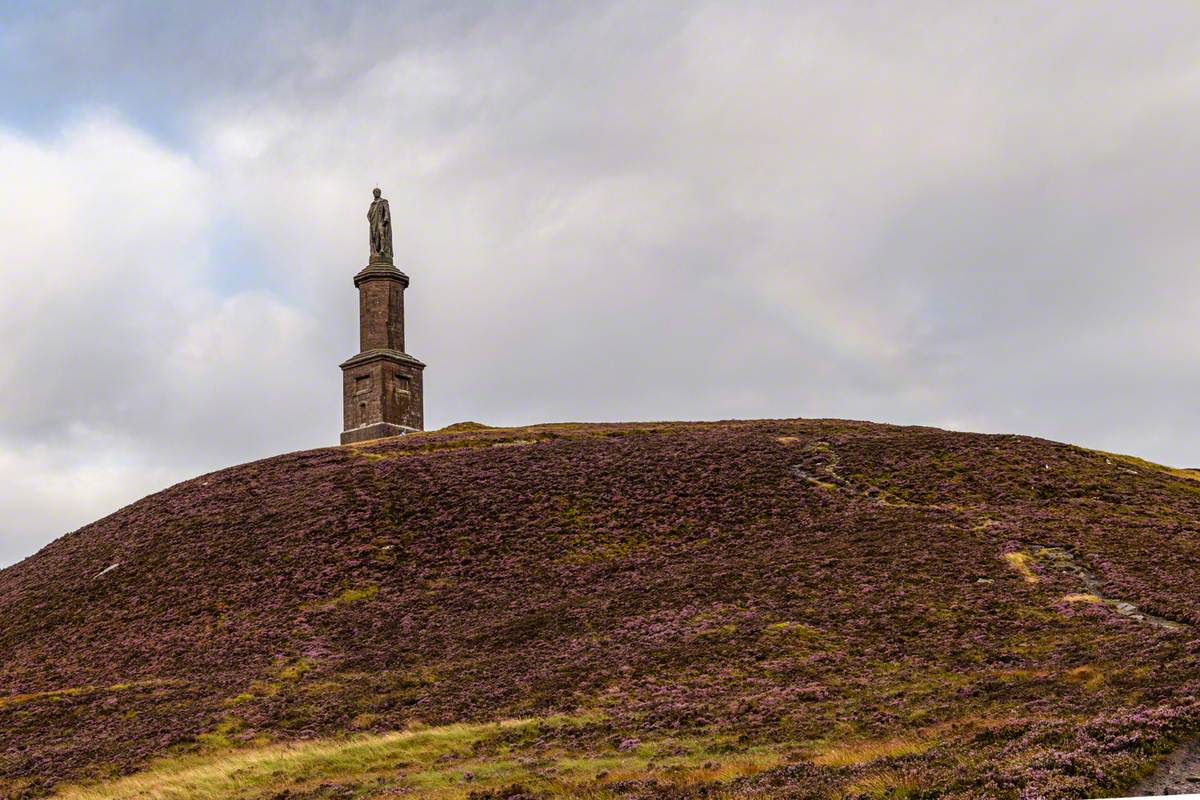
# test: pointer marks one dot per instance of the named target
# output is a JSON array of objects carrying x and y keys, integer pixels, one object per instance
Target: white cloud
[
  {"x": 602, "y": 212},
  {"x": 47, "y": 491},
  {"x": 975, "y": 213},
  {"x": 124, "y": 370}
]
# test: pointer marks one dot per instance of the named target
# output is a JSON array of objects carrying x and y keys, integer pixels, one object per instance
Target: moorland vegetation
[{"x": 778, "y": 608}]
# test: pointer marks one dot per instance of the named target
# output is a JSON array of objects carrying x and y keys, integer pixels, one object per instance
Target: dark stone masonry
[{"x": 381, "y": 386}]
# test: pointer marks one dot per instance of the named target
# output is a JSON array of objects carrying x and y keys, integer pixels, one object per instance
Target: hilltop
[{"x": 780, "y": 608}]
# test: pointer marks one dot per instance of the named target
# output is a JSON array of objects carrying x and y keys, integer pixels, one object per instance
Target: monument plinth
[{"x": 382, "y": 385}]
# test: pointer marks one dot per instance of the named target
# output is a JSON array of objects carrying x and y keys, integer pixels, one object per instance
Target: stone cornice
[
  {"x": 380, "y": 270},
  {"x": 385, "y": 355}
]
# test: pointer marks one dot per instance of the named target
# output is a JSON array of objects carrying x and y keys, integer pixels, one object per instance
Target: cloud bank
[{"x": 977, "y": 217}]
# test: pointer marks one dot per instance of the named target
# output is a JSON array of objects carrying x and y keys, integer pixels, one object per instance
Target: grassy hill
[{"x": 790, "y": 608}]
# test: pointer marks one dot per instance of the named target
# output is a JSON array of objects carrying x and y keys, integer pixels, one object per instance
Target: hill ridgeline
[{"x": 779, "y": 608}]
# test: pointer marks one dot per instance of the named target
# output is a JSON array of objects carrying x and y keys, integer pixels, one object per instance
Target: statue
[{"x": 380, "y": 218}]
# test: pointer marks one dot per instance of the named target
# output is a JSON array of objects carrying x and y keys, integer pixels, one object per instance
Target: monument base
[{"x": 380, "y": 430}]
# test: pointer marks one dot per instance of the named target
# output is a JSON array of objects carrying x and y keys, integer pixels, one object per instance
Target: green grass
[
  {"x": 1150, "y": 466},
  {"x": 259, "y": 772},
  {"x": 444, "y": 763}
]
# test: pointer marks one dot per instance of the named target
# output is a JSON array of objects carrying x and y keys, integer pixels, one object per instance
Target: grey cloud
[{"x": 968, "y": 214}]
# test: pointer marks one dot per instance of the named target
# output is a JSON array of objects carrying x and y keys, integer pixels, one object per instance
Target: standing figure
[
  {"x": 382, "y": 389},
  {"x": 380, "y": 218}
]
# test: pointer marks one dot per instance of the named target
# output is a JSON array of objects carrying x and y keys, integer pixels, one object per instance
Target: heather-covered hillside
[{"x": 787, "y": 608}]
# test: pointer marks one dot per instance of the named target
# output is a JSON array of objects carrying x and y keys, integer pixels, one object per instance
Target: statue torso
[{"x": 378, "y": 211}]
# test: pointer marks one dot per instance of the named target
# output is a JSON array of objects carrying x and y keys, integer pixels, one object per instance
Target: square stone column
[{"x": 382, "y": 392}]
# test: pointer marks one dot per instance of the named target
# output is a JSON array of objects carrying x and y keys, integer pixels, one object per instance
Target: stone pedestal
[{"x": 381, "y": 386}]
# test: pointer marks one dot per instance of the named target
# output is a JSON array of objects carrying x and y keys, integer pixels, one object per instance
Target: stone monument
[{"x": 381, "y": 386}]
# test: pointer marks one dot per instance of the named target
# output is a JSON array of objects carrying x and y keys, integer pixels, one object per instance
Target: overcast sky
[{"x": 974, "y": 215}]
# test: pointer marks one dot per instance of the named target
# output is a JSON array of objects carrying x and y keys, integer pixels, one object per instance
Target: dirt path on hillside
[
  {"x": 1179, "y": 773},
  {"x": 1062, "y": 559}
]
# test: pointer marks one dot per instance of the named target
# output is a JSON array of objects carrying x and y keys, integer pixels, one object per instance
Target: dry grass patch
[
  {"x": 865, "y": 752},
  {"x": 445, "y": 763},
  {"x": 18, "y": 699},
  {"x": 1089, "y": 676},
  {"x": 259, "y": 772},
  {"x": 683, "y": 773},
  {"x": 1020, "y": 562},
  {"x": 888, "y": 783}
]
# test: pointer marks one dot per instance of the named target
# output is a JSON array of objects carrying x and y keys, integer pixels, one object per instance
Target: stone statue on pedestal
[
  {"x": 380, "y": 218},
  {"x": 382, "y": 388}
]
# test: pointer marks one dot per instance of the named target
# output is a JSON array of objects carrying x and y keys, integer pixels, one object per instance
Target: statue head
[{"x": 376, "y": 192}]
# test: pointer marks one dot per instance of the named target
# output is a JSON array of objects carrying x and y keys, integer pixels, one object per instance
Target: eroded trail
[
  {"x": 819, "y": 465},
  {"x": 1179, "y": 773},
  {"x": 1061, "y": 559}
]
